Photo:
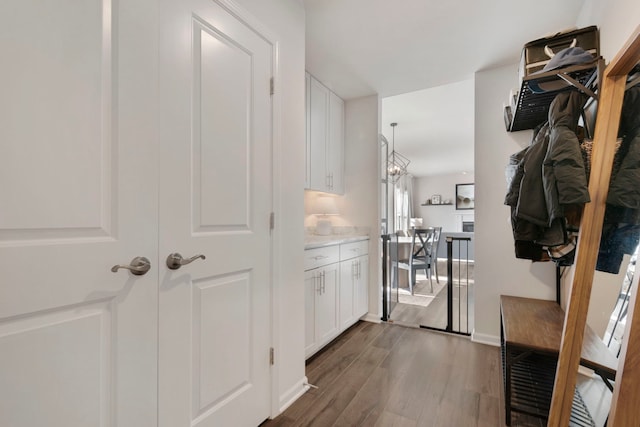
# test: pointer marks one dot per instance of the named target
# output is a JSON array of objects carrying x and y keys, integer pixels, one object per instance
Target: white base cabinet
[
  {"x": 354, "y": 281},
  {"x": 321, "y": 300},
  {"x": 336, "y": 291}
]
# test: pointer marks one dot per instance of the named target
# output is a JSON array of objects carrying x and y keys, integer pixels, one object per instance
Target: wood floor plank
[
  {"x": 388, "y": 419},
  {"x": 338, "y": 395},
  {"x": 328, "y": 370},
  {"x": 368, "y": 405},
  {"x": 407, "y": 398},
  {"x": 327, "y": 353},
  {"x": 489, "y": 411},
  {"x": 388, "y": 338},
  {"x": 388, "y": 375}
]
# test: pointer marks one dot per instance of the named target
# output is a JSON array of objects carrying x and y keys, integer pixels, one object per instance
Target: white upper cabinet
[
  {"x": 325, "y": 138},
  {"x": 335, "y": 144}
]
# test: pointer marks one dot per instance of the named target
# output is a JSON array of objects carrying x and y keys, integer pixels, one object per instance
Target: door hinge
[
  {"x": 272, "y": 356},
  {"x": 272, "y": 221},
  {"x": 272, "y": 86}
]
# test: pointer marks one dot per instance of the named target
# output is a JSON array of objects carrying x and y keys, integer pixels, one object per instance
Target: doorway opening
[{"x": 437, "y": 138}]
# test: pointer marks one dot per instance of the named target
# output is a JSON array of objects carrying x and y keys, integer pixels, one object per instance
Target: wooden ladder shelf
[{"x": 624, "y": 411}]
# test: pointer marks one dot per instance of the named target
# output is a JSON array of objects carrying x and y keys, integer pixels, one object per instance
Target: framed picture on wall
[
  {"x": 436, "y": 199},
  {"x": 465, "y": 196}
]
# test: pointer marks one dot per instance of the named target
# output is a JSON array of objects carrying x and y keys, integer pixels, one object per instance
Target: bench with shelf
[{"x": 530, "y": 335}]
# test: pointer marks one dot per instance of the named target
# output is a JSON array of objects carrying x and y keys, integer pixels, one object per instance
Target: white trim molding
[
  {"x": 485, "y": 339},
  {"x": 373, "y": 318},
  {"x": 292, "y": 395}
]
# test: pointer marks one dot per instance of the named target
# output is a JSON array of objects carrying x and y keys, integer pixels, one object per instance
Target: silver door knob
[
  {"x": 139, "y": 266},
  {"x": 175, "y": 260}
]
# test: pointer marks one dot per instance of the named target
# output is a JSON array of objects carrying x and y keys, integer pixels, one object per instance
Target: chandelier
[{"x": 396, "y": 162}]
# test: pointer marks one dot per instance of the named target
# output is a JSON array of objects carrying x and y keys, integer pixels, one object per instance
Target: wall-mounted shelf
[
  {"x": 437, "y": 204},
  {"x": 532, "y": 108}
]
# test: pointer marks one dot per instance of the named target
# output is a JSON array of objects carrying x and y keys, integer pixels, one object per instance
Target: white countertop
[{"x": 312, "y": 241}]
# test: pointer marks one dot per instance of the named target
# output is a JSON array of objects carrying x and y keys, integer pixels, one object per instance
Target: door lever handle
[
  {"x": 139, "y": 266},
  {"x": 175, "y": 260}
]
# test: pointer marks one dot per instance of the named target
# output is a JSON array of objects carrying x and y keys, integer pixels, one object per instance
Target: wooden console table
[{"x": 530, "y": 335}]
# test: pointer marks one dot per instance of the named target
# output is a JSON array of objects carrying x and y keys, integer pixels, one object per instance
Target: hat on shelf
[{"x": 564, "y": 58}]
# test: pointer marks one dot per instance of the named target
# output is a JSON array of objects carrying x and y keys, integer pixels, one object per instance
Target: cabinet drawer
[
  {"x": 314, "y": 258},
  {"x": 355, "y": 249}
]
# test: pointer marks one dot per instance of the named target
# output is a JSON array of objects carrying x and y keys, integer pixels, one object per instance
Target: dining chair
[
  {"x": 420, "y": 255},
  {"x": 437, "y": 231}
]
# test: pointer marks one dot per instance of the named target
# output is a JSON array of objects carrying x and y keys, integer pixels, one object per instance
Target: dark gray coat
[
  {"x": 564, "y": 176},
  {"x": 624, "y": 189},
  {"x": 548, "y": 175}
]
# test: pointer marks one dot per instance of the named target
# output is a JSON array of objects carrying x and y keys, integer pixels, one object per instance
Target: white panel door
[
  {"x": 78, "y": 166},
  {"x": 215, "y": 201}
]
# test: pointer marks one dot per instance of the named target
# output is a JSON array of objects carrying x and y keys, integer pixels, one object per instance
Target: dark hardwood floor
[{"x": 389, "y": 375}]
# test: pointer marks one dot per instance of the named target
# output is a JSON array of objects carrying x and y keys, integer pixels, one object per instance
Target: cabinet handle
[
  {"x": 319, "y": 257},
  {"x": 332, "y": 180},
  {"x": 317, "y": 282},
  {"x": 323, "y": 282},
  {"x": 359, "y": 269},
  {"x": 354, "y": 270}
]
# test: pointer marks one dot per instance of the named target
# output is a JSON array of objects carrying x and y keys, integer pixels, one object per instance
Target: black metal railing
[
  {"x": 459, "y": 281},
  {"x": 458, "y": 288}
]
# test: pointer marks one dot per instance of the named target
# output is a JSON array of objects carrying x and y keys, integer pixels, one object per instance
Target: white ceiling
[
  {"x": 435, "y": 128},
  {"x": 365, "y": 47}
]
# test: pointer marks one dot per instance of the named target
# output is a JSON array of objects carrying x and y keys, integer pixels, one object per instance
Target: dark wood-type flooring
[
  {"x": 388, "y": 375},
  {"x": 435, "y": 314}
]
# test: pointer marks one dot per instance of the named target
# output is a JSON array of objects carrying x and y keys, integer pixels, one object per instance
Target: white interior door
[
  {"x": 215, "y": 200},
  {"x": 78, "y": 167}
]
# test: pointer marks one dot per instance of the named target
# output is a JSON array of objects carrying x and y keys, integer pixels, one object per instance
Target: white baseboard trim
[
  {"x": 485, "y": 339},
  {"x": 373, "y": 318},
  {"x": 293, "y": 394}
]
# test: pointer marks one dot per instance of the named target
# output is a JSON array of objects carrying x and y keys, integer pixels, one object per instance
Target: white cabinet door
[
  {"x": 362, "y": 287},
  {"x": 79, "y": 166},
  {"x": 311, "y": 290},
  {"x": 348, "y": 277},
  {"x": 215, "y": 200},
  {"x": 335, "y": 144},
  {"x": 319, "y": 127},
  {"x": 325, "y": 138},
  {"x": 307, "y": 145},
  {"x": 327, "y": 304}
]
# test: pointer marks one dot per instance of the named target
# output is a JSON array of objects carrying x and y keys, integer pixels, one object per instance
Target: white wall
[
  {"x": 359, "y": 205},
  {"x": 497, "y": 271},
  {"x": 285, "y": 19},
  {"x": 616, "y": 19},
  {"x": 446, "y": 217}
]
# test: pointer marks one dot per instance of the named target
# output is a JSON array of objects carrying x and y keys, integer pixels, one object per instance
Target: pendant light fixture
[{"x": 396, "y": 162}]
